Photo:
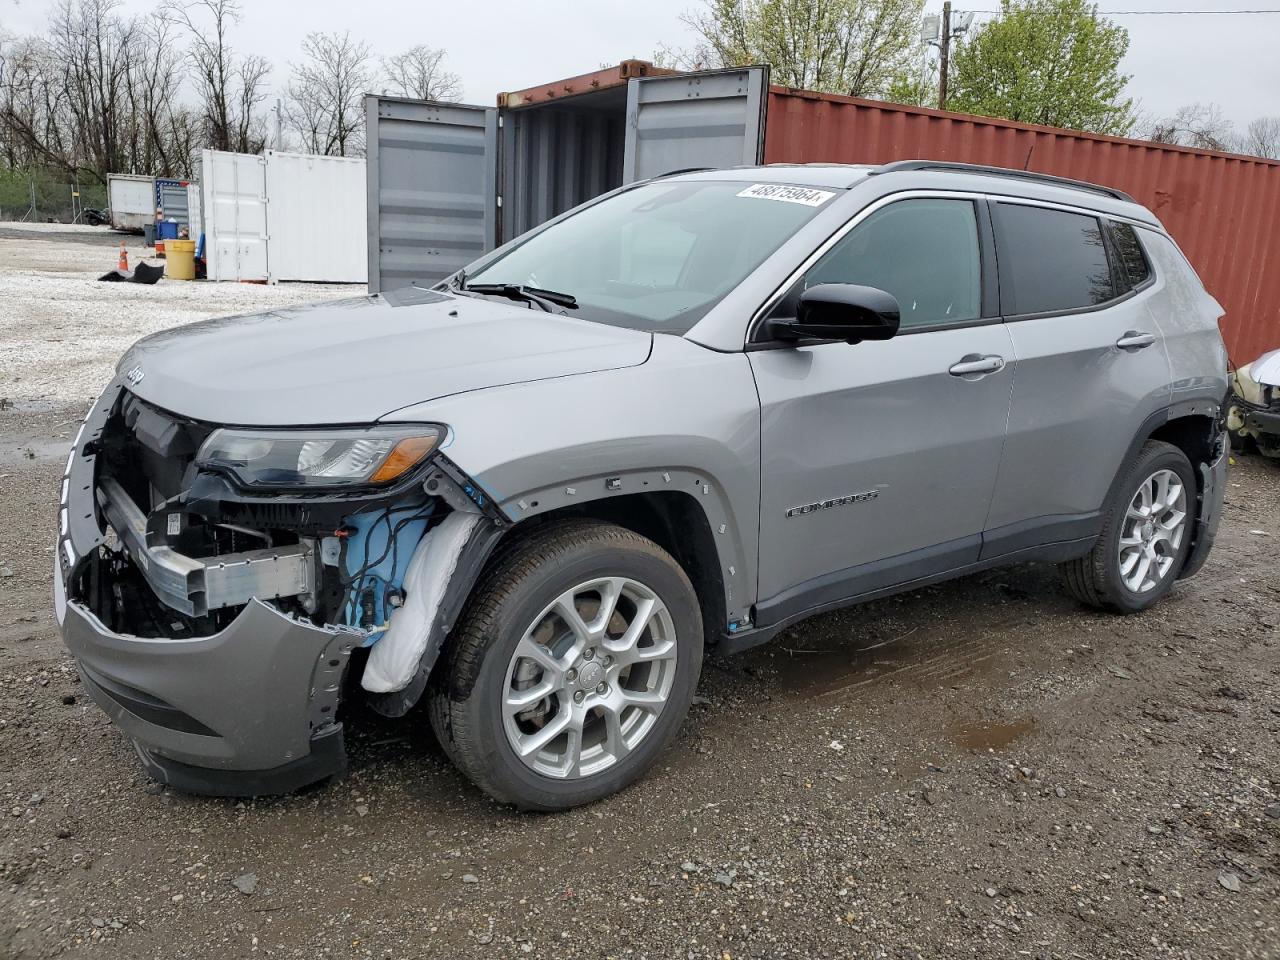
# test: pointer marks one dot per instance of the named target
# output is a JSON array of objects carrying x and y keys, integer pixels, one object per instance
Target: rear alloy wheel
[
  {"x": 1152, "y": 531},
  {"x": 572, "y": 668},
  {"x": 1145, "y": 536}
]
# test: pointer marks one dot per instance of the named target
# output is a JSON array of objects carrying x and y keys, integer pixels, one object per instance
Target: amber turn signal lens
[{"x": 404, "y": 456}]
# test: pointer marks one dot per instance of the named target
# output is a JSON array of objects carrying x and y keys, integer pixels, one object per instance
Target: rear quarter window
[
  {"x": 1053, "y": 260},
  {"x": 1133, "y": 261}
]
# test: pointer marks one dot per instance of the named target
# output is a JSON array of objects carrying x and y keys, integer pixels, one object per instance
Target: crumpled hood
[
  {"x": 1266, "y": 369},
  {"x": 353, "y": 361}
]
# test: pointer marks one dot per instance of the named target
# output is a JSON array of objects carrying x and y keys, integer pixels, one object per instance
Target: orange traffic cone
[{"x": 124, "y": 258}]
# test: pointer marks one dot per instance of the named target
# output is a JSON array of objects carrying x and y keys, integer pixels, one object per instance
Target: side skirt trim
[{"x": 1046, "y": 553}]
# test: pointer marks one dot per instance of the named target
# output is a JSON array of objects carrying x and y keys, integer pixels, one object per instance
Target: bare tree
[
  {"x": 231, "y": 88},
  {"x": 1262, "y": 138},
  {"x": 326, "y": 94},
  {"x": 91, "y": 48},
  {"x": 1201, "y": 125},
  {"x": 33, "y": 104},
  {"x": 420, "y": 73}
]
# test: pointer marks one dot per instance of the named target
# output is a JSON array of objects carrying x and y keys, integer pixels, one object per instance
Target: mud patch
[{"x": 989, "y": 734}]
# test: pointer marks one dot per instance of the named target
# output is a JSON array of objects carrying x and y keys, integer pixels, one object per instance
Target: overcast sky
[{"x": 500, "y": 45}]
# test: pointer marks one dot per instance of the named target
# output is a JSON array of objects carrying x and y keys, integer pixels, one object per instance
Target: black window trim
[
  {"x": 1007, "y": 303},
  {"x": 988, "y": 295}
]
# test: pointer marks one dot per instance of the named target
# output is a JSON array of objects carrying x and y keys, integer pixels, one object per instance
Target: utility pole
[{"x": 944, "y": 48}]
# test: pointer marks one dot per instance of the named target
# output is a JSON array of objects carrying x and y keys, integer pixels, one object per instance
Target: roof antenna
[{"x": 1027, "y": 165}]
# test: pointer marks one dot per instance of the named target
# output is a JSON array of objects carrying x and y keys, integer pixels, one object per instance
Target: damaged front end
[
  {"x": 216, "y": 584},
  {"x": 1254, "y": 413}
]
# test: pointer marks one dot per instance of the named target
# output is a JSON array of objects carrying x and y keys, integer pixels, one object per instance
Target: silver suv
[{"x": 678, "y": 418}]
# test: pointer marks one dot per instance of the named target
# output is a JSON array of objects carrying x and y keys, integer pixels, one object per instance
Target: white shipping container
[
  {"x": 132, "y": 199},
  {"x": 234, "y": 188},
  {"x": 284, "y": 217},
  {"x": 316, "y": 218}
]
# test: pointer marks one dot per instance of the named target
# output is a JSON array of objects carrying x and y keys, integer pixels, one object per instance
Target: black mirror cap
[{"x": 841, "y": 311}]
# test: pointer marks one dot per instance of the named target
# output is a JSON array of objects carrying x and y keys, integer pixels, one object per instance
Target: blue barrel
[{"x": 166, "y": 230}]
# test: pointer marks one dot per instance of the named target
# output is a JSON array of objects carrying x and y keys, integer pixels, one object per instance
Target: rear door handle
[
  {"x": 975, "y": 365},
  {"x": 1136, "y": 340}
]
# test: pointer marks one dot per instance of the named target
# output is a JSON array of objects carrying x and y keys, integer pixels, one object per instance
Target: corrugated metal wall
[
  {"x": 1223, "y": 210},
  {"x": 556, "y": 157}
]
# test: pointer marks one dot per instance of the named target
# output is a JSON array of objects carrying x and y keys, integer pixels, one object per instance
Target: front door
[{"x": 879, "y": 458}]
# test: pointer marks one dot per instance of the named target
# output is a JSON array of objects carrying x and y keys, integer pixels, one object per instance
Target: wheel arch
[
  {"x": 1197, "y": 428},
  {"x": 676, "y": 522}
]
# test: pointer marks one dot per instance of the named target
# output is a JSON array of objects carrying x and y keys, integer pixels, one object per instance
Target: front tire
[
  {"x": 572, "y": 668},
  {"x": 1145, "y": 536}
]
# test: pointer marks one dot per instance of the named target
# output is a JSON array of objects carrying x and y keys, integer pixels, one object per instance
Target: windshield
[{"x": 658, "y": 257}]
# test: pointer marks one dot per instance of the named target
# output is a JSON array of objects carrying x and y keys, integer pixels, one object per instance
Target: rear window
[
  {"x": 1052, "y": 259},
  {"x": 1133, "y": 262}
]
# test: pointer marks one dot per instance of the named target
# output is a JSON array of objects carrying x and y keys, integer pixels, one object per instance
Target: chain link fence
[{"x": 33, "y": 196}]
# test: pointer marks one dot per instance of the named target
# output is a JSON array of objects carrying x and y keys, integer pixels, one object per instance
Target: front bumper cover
[{"x": 247, "y": 711}]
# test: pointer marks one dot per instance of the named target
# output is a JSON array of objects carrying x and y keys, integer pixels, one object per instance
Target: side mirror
[{"x": 840, "y": 311}]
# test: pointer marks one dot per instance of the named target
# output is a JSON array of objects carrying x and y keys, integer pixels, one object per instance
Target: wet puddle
[
  {"x": 989, "y": 735},
  {"x": 28, "y": 449}
]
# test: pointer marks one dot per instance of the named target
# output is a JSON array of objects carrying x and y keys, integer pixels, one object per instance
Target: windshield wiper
[{"x": 546, "y": 299}]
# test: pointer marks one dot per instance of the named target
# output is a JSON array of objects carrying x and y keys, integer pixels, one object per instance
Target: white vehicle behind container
[{"x": 132, "y": 199}]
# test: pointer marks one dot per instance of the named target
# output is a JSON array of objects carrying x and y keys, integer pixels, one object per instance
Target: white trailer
[{"x": 132, "y": 199}]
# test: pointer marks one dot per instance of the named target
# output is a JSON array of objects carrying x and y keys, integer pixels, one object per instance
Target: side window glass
[
  {"x": 1054, "y": 260},
  {"x": 925, "y": 252},
  {"x": 1129, "y": 252}
]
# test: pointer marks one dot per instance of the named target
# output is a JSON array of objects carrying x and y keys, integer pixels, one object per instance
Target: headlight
[{"x": 319, "y": 458}]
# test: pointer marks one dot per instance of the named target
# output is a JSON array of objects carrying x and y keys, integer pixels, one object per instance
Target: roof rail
[
  {"x": 676, "y": 173},
  {"x": 984, "y": 170}
]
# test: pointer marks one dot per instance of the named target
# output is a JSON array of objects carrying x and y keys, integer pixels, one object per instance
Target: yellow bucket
[{"x": 180, "y": 259}]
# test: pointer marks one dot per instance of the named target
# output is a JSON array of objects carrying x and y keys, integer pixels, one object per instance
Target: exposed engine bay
[{"x": 187, "y": 546}]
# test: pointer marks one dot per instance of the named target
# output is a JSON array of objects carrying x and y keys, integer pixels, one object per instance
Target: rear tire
[
  {"x": 586, "y": 631},
  {"x": 1144, "y": 540}
]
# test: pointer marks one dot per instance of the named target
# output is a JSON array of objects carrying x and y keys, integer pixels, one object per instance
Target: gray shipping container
[{"x": 448, "y": 182}]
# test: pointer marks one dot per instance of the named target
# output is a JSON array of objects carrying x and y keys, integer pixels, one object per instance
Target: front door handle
[
  {"x": 976, "y": 365},
  {"x": 1135, "y": 340}
]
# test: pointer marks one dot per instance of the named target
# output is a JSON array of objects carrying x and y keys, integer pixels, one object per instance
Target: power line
[{"x": 1165, "y": 13}]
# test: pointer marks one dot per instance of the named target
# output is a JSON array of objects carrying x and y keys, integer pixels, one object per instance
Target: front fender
[{"x": 686, "y": 420}]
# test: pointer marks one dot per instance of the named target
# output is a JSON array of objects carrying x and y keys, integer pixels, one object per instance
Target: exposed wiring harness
[{"x": 357, "y": 583}]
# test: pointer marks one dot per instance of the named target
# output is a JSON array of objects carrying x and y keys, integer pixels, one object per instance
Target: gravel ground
[
  {"x": 61, "y": 332},
  {"x": 979, "y": 769}
]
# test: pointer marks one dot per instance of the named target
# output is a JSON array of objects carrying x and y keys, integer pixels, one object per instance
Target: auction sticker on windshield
[{"x": 778, "y": 191}]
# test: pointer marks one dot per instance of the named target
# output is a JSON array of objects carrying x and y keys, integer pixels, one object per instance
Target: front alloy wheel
[
  {"x": 590, "y": 678},
  {"x": 572, "y": 667}
]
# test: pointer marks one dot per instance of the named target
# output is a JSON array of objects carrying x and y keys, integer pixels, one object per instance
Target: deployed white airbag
[{"x": 394, "y": 659}]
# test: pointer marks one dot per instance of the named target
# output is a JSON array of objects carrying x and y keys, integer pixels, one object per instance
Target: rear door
[
  {"x": 235, "y": 215},
  {"x": 714, "y": 118},
  {"x": 432, "y": 182},
  {"x": 1091, "y": 368}
]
